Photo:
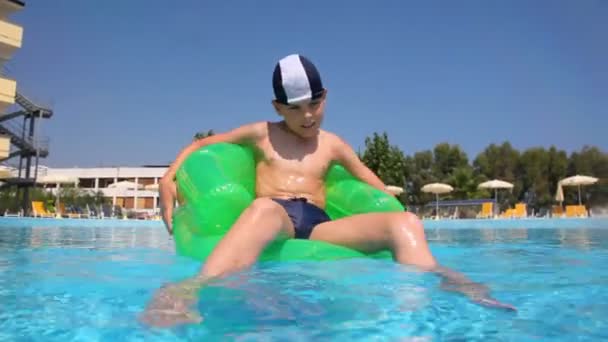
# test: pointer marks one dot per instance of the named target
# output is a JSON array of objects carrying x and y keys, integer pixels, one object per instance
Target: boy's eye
[{"x": 294, "y": 107}]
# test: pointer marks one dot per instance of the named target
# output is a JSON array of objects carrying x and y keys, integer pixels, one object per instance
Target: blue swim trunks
[{"x": 304, "y": 216}]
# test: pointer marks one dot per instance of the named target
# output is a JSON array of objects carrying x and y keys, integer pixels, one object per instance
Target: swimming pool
[{"x": 82, "y": 280}]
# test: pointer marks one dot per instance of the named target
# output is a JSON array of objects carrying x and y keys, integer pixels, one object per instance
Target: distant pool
[{"x": 87, "y": 280}]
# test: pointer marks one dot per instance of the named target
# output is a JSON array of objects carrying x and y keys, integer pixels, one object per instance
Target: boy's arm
[
  {"x": 167, "y": 192},
  {"x": 243, "y": 134},
  {"x": 346, "y": 156}
]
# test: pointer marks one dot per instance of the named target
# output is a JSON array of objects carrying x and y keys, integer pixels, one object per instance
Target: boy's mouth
[{"x": 308, "y": 125}]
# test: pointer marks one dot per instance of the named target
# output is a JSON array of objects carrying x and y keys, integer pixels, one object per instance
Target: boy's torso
[{"x": 292, "y": 167}]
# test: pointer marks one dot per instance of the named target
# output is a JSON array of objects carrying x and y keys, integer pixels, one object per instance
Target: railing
[
  {"x": 30, "y": 106},
  {"x": 15, "y": 131}
]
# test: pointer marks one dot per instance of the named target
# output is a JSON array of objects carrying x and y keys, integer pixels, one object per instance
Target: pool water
[{"x": 84, "y": 283}]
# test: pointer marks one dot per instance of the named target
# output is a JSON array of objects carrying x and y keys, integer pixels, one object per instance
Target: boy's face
[{"x": 303, "y": 118}]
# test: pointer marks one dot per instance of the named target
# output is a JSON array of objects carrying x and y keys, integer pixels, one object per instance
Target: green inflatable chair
[{"x": 217, "y": 182}]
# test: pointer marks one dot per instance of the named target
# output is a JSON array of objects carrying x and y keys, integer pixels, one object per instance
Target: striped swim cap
[{"x": 295, "y": 79}]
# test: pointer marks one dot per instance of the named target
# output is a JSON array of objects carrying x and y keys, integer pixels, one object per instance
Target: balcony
[
  {"x": 5, "y": 147},
  {"x": 8, "y": 89},
  {"x": 10, "y": 39}
]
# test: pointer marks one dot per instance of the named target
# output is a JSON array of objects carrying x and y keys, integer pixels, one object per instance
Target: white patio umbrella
[
  {"x": 495, "y": 184},
  {"x": 395, "y": 190},
  {"x": 126, "y": 185},
  {"x": 559, "y": 193},
  {"x": 578, "y": 181},
  {"x": 437, "y": 188},
  {"x": 151, "y": 187},
  {"x": 57, "y": 179}
]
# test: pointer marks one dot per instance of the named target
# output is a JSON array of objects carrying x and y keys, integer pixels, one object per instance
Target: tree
[
  {"x": 534, "y": 173},
  {"x": 446, "y": 159},
  {"x": 385, "y": 160},
  {"x": 418, "y": 172},
  {"x": 203, "y": 134},
  {"x": 533, "y": 168},
  {"x": 497, "y": 162},
  {"x": 590, "y": 161},
  {"x": 465, "y": 182}
]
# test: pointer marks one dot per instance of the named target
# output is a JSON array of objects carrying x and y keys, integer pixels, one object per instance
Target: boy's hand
[{"x": 167, "y": 194}]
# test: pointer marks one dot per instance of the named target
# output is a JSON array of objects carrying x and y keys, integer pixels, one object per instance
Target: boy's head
[{"x": 299, "y": 94}]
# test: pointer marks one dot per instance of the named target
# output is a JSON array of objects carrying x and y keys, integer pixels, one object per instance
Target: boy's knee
[{"x": 406, "y": 222}]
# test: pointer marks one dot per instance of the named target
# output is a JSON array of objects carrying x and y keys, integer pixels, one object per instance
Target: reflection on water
[
  {"x": 90, "y": 283},
  {"x": 581, "y": 238},
  {"x": 143, "y": 237},
  {"x": 85, "y": 237}
]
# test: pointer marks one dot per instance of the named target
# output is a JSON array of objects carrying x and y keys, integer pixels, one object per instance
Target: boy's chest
[{"x": 301, "y": 160}]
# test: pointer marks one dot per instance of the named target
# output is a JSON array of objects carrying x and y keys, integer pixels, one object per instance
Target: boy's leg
[
  {"x": 403, "y": 234},
  {"x": 257, "y": 226}
]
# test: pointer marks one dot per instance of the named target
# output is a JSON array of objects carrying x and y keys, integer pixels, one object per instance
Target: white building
[{"x": 131, "y": 197}]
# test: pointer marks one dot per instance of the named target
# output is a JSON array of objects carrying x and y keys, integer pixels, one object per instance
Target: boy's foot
[
  {"x": 169, "y": 318},
  {"x": 493, "y": 303},
  {"x": 170, "y": 307}
]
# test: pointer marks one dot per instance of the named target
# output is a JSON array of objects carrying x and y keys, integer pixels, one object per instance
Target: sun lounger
[
  {"x": 557, "y": 211},
  {"x": 507, "y": 213},
  {"x": 69, "y": 213},
  {"x": 520, "y": 211},
  {"x": 576, "y": 211},
  {"x": 9, "y": 214},
  {"x": 487, "y": 210},
  {"x": 38, "y": 210}
]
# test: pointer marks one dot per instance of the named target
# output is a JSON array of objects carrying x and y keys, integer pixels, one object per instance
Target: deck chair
[
  {"x": 520, "y": 210},
  {"x": 557, "y": 211},
  {"x": 576, "y": 211},
  {"x": 120, "y": 212},
  {"x": 581, "y": 211},
  {"x": 38, "y": 210},
  {"x": 572, "y": 211},
  {"x": 487, "y": 210},
  {"x": 83, "y": 212},
  {"x": 509, "y": 213},
  {"x": 93, "y": 212},
  {"x": 10, "y": 214},
  {"x": 107, "y": 211},
  {"x": 63, "y": 212}
]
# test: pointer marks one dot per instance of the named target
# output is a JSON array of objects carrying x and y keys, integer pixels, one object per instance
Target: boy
[{"x": 294, "y": 156}]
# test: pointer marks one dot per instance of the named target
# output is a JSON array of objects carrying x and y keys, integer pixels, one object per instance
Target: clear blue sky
[{"x": 132, "y": 83}]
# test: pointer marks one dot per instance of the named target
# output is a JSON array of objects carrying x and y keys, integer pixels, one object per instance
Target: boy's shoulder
[
  {"x": 332, "y": 138},
  {"x": 252, "y": 131}
]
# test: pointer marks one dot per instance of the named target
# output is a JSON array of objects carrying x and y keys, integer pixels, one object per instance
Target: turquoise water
[{"x": 64, "y": 280}]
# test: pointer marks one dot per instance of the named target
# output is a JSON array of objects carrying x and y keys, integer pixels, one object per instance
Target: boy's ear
[{"x": 277, "y": 107}]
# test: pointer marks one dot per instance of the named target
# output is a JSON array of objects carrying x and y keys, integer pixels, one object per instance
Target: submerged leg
[
  {"x": 403, "y": 234},
  {"x": 261, "y": 223}
]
